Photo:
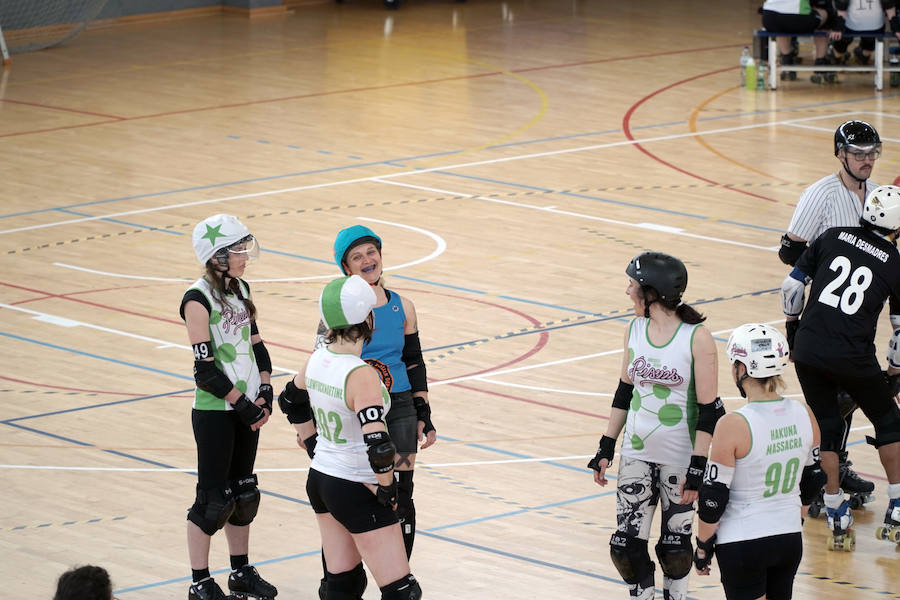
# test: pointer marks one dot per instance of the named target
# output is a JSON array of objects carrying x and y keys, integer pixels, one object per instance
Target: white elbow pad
[{"x": 893, "y": 354}]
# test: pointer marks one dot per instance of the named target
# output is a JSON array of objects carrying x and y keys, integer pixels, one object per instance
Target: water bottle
[
  {"x": 762, "y": 73},
  {"x": 746, "y": 57},
  {"x": 750, "y": 74}
]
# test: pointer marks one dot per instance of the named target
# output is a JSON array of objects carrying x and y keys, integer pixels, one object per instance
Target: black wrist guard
[
  {"x": 423, "y": 413},
  {"x": 790, "y": 329},
  {"x": 248, "y": 412},
  {"x": 310, "y": 444},
  {"x": 266, "y": 393},
  {"x": 694, "y": 477},
  {"x": 387, "y": 494},
  {"x": 607, "y": 450},
  {"x": 709, "y": 549}
]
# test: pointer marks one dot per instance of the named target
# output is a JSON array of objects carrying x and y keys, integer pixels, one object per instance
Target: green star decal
[{"x": 212, "y": 233}]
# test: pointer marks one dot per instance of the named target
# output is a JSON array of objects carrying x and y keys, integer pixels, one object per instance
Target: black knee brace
[
  {"x": 887, "y": 427},
  {"x": 348, "y": 585},
  {"x": 406, "y": 510},
  {"x": 631, "y": 558},
  {"x": 675, "y": 554},
  {"x": 246, "y": 501},
  {"x": 832, "y": 429},
  {"x": 406, "y": 588},
  {"x": 211, "y": 509}
]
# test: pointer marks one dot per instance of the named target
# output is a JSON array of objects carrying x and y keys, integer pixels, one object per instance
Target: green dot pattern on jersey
[
  {"x": 635, "y": 400},
  {"x": 245, "y": 333},
  {"x": 669, "y": 415},
  {"x": 226, "y": 353},
  {"x": 661, "y": 391},
  {"x": 214, "y": 317},
  {"x": 241, "y": 386},
  {"x": 636, "y": 442}
]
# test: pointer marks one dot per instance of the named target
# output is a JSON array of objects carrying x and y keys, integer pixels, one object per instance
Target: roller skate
[
  {"x": 786, "y": 60},
  {"x": 817, "y": 506},
  {"x": 860, "y": 490},
  {"x": 207, "y": 589},
  {"x": 839, "y": 522},
  {"x": 823, "y": 76},
  {"x": 891, "y": 528},
  {"x": 246, "y": 584},
  {"x": 860, "y": 57}
]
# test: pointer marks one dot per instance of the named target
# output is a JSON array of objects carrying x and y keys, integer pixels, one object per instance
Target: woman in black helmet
[{"x": 666, "y": 402}]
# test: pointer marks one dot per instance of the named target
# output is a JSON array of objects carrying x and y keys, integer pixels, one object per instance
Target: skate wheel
[
  {"x": 829, "y": 543},
  {"x": 814, "y": 510},
  {"x": 894, "y": 535},
  {"x": 881, "y": 532},
  {"x": 855, "y": 502},
  {"x": 792, "y": 75}
]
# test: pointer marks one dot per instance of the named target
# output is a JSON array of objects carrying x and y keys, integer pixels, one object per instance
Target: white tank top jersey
[
  {"x": 788, "y": 7},
  {"x": 863, "y": 15},
  {"x": 765, "y": 490},
  {"x": 340, "y": 449},
  {"x": 826, "y": 204},
  {"x": 229, "y": 335},
  {"x": 662, "y": 418}
]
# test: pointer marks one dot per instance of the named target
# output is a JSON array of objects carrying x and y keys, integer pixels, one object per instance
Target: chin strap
[{"x": 860, "y": 182}]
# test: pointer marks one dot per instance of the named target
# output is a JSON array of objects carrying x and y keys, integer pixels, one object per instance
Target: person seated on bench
[
  {"x": 798, "y": 17},
  {"x": 855, "y": 18}
]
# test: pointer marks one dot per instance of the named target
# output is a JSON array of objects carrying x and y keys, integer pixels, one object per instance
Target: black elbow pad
[
  {"x": 790, "y": 250},
  {"x": 210, "y": 379}
]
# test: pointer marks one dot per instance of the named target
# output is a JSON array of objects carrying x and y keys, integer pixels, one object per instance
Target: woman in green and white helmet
[
  {"x": 351, "y": 484},
  {"x": 232, "y": 401}
]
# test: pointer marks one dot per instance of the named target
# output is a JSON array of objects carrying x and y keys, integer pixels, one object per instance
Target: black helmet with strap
[{"x": 662, "y": 272}]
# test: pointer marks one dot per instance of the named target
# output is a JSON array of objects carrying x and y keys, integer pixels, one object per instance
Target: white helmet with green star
[{"x": 218, "y": 232}]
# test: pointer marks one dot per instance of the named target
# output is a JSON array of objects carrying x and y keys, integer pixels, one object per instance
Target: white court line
[
  {"x": 549, "y": 209},
  {"x": 439, "y": 242},
  {"x": 429, "y": 170},
  {"x": 826, "y": 130},
  {"x": 66, "y": 322},
  {"x": 540, "y": 389}
]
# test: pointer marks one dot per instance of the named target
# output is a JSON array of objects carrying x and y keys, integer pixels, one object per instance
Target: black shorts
[
  {"x": 226, "y": 448},
  {"x": 350, "y": 502},
  {"x": 821, "y": 387},
  {"x": 764, "y": 566},
  {"x": 783, "y": 23},
  {"x": 403, "y": 423}
]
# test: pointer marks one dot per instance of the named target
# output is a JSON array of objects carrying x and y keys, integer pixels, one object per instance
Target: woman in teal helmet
[{"x": 395, "y": 352}]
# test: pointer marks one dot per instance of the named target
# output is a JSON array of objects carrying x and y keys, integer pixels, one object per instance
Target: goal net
[{"x": 34, "y": 24}]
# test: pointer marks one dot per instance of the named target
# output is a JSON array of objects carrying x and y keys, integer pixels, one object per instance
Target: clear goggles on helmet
[
  {"x": 246, "y": 245},
  {"x": 862, "y": 153}
]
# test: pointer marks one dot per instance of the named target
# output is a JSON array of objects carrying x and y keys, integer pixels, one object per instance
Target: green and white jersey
[
  {"x": 788, "y": 7},
  {"x": 765, "y": 490},
  {"x": 662, "y": 418},
  {"x": 340, "y": 449},
  {"x": 229, "y": 334}
]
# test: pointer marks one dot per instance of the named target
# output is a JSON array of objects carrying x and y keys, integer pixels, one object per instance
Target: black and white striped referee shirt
[{"x": 826, "y": 204}]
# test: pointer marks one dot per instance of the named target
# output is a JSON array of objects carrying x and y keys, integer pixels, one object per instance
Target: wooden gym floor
[{"x": 513, "y": 155}]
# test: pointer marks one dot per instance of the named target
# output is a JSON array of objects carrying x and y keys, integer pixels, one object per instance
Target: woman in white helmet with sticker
[
  {"x": 351, "y": 484},
  {"x": 763, "y": 472},
  {"x": 233, "y": 399}
]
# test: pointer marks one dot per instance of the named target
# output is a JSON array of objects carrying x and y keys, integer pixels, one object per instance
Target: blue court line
[
  {"x": 97, "y": 356},
  {"x": 430, "y": 155},
  {"x": 101, "y": 405}
]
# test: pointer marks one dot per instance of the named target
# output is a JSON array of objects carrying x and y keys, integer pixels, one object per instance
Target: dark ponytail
[{"x": 219, "y": 290}]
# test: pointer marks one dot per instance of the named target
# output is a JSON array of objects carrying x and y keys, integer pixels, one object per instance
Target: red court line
[
  {"x": 626, "y": 127},
  {"x": 60, "y": 108},
  {"x": 364, "y": 89},
  {"x": 68, "y": 389}
]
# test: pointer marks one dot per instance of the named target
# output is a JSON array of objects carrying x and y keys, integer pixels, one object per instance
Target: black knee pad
[
  {"x": 676, "y": 557},
  {"x": 406, "y": 588},
  {"x": 832, "y": 429},
  {"x": 846, "y": 405},
  {"x": 406, "y": 509},
  {"x": 631, "y": 557},
  {"x": 246, "y": 501},
  {"x": 212, "y": 509},
  {"x": 348, "y": 585},
  {"x": 887, "y": 427}
]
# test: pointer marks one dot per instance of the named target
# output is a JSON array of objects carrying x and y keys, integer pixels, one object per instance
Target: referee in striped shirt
[{"x": 836, "y": 201}]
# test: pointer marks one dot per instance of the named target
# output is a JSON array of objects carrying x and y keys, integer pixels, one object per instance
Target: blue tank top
[{"x": 385, "y": 350}]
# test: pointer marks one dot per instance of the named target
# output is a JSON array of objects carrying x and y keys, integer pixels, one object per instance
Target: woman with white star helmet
[
  {"x": 763, "y": 472},
  {"x": 351, "y": 484},
  {"x": 667, "y": 406},
  {"x": 233, "y": 399}
]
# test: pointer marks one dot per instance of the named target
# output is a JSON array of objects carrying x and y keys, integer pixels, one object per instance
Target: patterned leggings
[{"x": 641, "y": 486}]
